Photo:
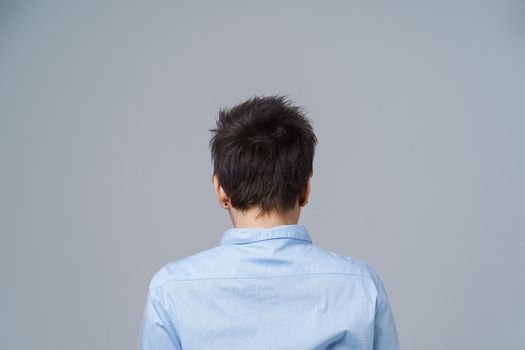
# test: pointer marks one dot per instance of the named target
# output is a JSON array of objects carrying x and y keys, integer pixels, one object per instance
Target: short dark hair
[{"x": 262, "y": 152}]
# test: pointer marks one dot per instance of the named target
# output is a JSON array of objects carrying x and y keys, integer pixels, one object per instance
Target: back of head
[{"x": 262, "y": 151}]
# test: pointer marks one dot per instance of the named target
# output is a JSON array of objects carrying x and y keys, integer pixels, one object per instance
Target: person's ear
[
  {"x": 222, "y": 197},
  {"x": 304, "y": 197}
]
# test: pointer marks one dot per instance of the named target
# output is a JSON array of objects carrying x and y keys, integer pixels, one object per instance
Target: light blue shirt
[{"x": 267, "y": 288}]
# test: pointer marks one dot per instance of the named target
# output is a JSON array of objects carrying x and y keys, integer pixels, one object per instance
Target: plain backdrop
[{"x": 105, "y": 106}]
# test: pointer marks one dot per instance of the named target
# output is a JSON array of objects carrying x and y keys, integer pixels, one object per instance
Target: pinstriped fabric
[{"x": 267, "y": 288}]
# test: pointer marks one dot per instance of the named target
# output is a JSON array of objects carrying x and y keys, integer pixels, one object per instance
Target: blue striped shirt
[{"x": 267, "y": 288}]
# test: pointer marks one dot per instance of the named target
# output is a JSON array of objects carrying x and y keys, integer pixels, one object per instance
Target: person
[{"x": 266, "y": 285}]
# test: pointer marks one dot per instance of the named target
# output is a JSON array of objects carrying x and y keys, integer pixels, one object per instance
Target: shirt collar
[{"x": 252, "y": 234}]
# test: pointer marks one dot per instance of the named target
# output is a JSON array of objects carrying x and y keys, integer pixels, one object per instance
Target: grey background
[{"x": 105, "y": 170}]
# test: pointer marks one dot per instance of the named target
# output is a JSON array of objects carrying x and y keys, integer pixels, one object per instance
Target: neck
[{"x": 250, "y": 219}]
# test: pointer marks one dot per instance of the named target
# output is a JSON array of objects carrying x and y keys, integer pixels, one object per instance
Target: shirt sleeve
[
  {"x": 385, "y": 331},
  {"x": 157, "y": 331}
]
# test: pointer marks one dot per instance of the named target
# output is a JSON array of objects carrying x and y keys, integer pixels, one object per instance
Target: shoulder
[
  {"x": 184, "y": 268},
  {"x": 344, "y": 263},
  {"x": 368, "y": 271},
  {"x": 364, "y": 268},
  {"x": 354, "y": 266}
]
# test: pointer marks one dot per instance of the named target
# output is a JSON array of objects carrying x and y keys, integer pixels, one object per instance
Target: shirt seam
[
  {"x": 165, "y": 317},
  {"x": 258, "y": 277},
  {"x": 233, "y": 241}
]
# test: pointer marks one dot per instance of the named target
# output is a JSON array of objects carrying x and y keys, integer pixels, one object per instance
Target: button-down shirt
[{"x": 267, "y": 288}]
